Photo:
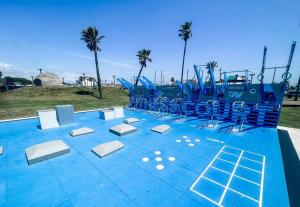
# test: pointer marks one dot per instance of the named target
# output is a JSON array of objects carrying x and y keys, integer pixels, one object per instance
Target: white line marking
[
  {"x": 251, "y": 160},
  {"x": 231, "y": 176},
  {"x": 215, "y": 140},
  {"x": 249, "y": 168},
  {"x": 226, "y": 161},
  {"x": 230, "y": 153},
  {"x": 243, "y": 195},
  {"x": 247, "y": 151},
  {"x": 223, "y": 171},
  {"x": 247, "y": 180},
  {"x": 200, "y": 194},
  {"x": 196, "y": 181},
  {"x": 206, "y": 178},
  {"x": 262, "y": 183}
]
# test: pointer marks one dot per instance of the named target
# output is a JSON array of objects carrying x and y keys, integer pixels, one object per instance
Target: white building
[{"x": 87, "y": 81}]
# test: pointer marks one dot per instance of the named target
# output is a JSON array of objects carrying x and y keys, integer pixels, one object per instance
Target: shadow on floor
[
  {"x": 87, "y": 93},
  {"x": 291, "y": 167}
]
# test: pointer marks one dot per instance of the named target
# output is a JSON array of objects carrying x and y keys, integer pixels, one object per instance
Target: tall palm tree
[
  {"x": 92, "y": 39},
  {"x": 143, "y": 56},
  {"x": 185, "y": 33}
]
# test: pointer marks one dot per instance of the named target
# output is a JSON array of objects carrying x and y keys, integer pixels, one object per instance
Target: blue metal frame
[{"x": 125, "y": 83}]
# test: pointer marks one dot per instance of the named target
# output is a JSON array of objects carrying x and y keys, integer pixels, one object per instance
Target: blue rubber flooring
[{"x": 186, "y": 166}]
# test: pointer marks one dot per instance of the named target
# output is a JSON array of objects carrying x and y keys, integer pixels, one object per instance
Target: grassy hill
[{"x": 25, "y": 101}]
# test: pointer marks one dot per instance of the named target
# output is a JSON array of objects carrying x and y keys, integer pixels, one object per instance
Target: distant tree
[
  {"x": 173, "y": 81},
  {"x": 143, "y": 57},
  {"x": 1, "y": 74},
  {"x": 92, "y": 39},
  {"x": 212, "y": 65},
  {"x": 80, "y": 80},
  {"x": 14, "y": 80},
  {"x": 185, "y": 33},
  {"x": 9, "y": 80}
]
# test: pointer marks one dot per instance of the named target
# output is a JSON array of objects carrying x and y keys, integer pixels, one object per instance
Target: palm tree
[
  {"x": 211, "y": 65},
  {"x": 143, "y": 56},
  {"x": 92, "y": 39},
  {"x": 185, "y": 33}
]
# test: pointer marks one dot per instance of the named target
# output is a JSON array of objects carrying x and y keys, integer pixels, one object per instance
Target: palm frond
[
  {"x": 185, "y": 31},
  {"x": 143, "y": 56},
  {"x": 91, "y": 37},
  {"x": 212, "y": 64}
]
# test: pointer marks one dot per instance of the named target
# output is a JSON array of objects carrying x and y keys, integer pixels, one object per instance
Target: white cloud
[
  {"x": 121, "y": 64},
  {"x": 11, "y": 70},
  {"x": 113, "y": 62},
  {"x": 79, "y": 55}
]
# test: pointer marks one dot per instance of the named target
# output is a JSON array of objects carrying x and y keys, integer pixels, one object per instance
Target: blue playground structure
[{"x": 236, "y": 99}]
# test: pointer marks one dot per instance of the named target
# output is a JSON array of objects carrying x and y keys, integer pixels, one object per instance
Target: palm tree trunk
[
  {"x": 181, "y": 80},
  {"x": 137, "y": 79},
  {"x": 98, "y": 74}
]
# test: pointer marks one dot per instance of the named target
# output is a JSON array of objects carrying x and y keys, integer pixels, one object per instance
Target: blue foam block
[{"x": 65, "y": 114}]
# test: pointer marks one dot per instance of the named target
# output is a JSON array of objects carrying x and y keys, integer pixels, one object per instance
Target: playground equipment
[
  {"x": 125, "y": 84},
  {"x": 213, "y": 112},
  {"x": 238, "y": 115},
  {"x": 210, "y": 89},
  {"x": 266, "y": 90},
  {"x": 235, "y": 97}
]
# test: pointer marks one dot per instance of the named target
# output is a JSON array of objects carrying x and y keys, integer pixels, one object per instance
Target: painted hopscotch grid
[{"x": 229, "y": 163}]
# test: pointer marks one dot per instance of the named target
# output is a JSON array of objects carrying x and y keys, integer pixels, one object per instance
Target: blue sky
[{"x": 46, "y": 34}]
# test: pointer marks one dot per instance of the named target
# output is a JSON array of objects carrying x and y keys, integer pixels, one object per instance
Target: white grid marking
[{"x": 232, "y": 174}]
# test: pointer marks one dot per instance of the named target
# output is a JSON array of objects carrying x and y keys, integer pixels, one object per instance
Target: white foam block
[
  {"x": 161, "y": 128},
  {"x": 47, "y": 150},
  {"x": 1, "y": 150},
  {"x": 106, "y": 148},
  {"x": 47, "y": 118},
  {"x": 123, "y": 129},
  {"x": 131, "y": 120},
  {"x": 119, "y": 112},
  {"x": 107, "y": 114},
  {"x": 81, "y": 131}
]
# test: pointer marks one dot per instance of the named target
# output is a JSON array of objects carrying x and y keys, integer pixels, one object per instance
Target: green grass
[
  {"x": 290, "y": 117},
  {"x": 24, "y": 102}
]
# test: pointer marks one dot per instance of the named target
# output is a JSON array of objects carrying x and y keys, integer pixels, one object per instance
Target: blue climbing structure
[
  {"x": 234, "y": 98},
  {"x": 125, "y": 84}
]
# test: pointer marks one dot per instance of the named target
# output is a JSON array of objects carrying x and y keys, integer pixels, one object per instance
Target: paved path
[{"x": 295, "y": 137}]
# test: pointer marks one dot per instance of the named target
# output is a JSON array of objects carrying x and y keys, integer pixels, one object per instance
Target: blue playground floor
[{"x": 187, "y": 166}]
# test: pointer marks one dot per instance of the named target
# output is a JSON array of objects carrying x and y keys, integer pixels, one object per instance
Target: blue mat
[{"x": 186, "y": 166}]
